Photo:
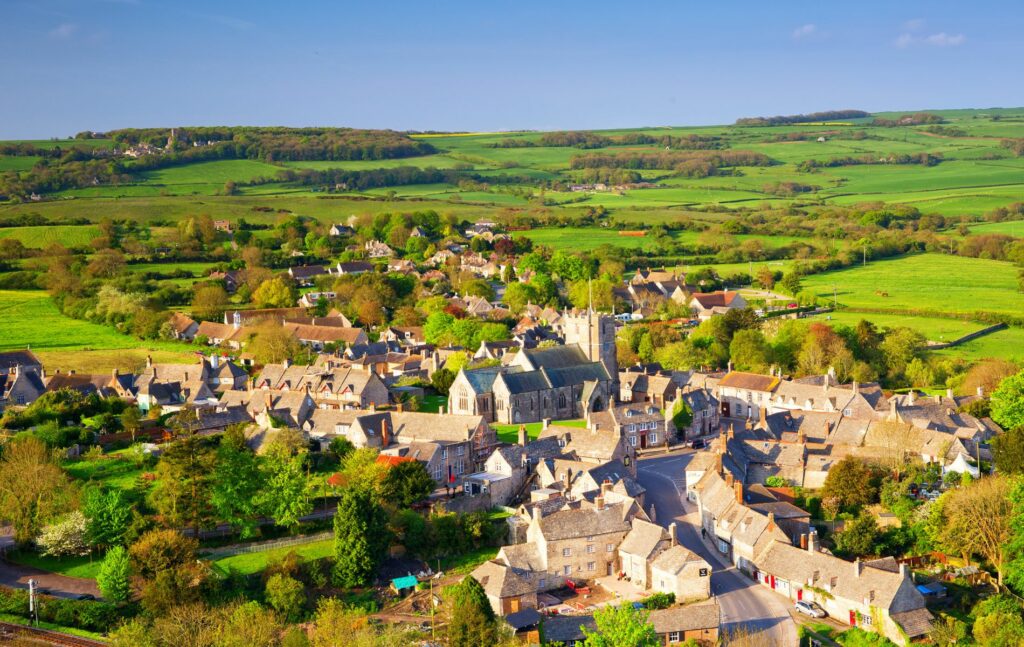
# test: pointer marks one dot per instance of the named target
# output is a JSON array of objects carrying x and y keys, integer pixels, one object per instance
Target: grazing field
[
  {"x": 44, "y": 236},
  {"x": 577, "y": 238},
  {"x": 30, "y": 319},
  {"x": 930, "y": 282},
  {"x": 1013, "y": 228}
]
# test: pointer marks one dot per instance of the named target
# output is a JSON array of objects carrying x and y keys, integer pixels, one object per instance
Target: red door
[
  {"x": 853, "y": 618},
  {"x": 772, "y": 581},
  {"x": 799, "y": 594}
]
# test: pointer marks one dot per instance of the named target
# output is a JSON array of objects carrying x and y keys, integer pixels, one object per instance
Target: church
[{"x": 558, "y": 383}]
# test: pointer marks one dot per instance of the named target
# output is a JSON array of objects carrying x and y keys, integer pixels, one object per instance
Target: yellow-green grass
[
  {"x": 112, "y": 470},
  {"x": 87, "y": 567},
  {"x": 936, "y": 283},
  {"x": 577, "y": 238},
  {"x": 510, "y": 433},
  {"x": 17, "y": 163},
  {"x": 1009, "y": 227},
  {"x": 425, "y": 161},
  {"x": 74, "y": 631},
  {"x": 44, "y": 236},
  {"x": 251, "y": 563},
  {"x": 29, "y": 319},
  {"x": 1004, "y": 344},
  {"x": 216, "y": 172},
  {"x": 936, "y": 329}
]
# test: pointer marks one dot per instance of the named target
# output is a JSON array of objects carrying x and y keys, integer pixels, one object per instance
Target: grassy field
[
  {"x": 42, "y": 237},
  {"x": 250, "y": 563},
  {"x": 113, "y": 470},
  {"x": 934, "y": 282},
  {"x": 1010, "y": 228},
  {"x": 87, "y": 567},
  {"x": 71, "y": 344},
  {"x": 510, "y": 433},
  {"x": 576, "y": 238}
]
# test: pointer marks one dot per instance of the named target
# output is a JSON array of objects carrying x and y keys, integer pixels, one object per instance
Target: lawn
[
  {"x": 250, "y": 563},
  {"x": 87, "y": 567},
  {"x": 29, "y": 319},
  {"x": 74, "y": 631},
  {"x": 928, "y": 283},
  {"x": 510, "y": 433},
  {"x": 433, "y": 403},
  {"x": 1009, "y": 227},
  {"x": 113, "y": 470},
  {"x": 41, "y": 237},
  {"x": 464, "y": 563}
]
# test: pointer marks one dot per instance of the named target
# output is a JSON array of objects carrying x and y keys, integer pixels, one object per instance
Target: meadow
[
  {"x": 936, "y": 283},
  {"x": 44, "y": 236},
  {"x": 582, "y": 239},
  {"x": 29, "y": 319}
]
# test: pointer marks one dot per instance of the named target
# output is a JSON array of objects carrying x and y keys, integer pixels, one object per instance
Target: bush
[
  {"x": 286, "y": 595},
  {"x": 659, "y": 601}
]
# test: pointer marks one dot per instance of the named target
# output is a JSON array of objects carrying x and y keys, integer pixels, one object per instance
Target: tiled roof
[
  {"x": 749, "y": 381},
  {"x": 583, "y": 522},
  {"x": 692, "y": 617},
  {"x": 643, "y": 539},
  {"x": 675, "y": 558}
]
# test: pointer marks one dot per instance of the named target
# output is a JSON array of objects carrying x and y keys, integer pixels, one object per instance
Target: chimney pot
[
  {"x": 803, "y": 541},
  {"x": 981, "y": 391},
  {"x": 738, "y": 487},
  {"x": 672, "y": 533},
  {"x": 857, "y": 567},
  {"x": 728, "y": 479},
  {"x": 599, "y": 502}
]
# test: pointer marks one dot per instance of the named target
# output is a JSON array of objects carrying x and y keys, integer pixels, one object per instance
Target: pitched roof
[
  {"x": 562, "y": 629},
  {"x": 643, "y": 539},
  {"x": 749, "y": 381},
  {"x": 692, "y": 617},
  {"x": 583, "y": 522},
  {"x": 556, "y": 357},
  {"x": 501, "y": 580},
  {"x": 12, "y": 358},
  {"x": 675, "y": 558},
  {"x": 716, "y": 299}
]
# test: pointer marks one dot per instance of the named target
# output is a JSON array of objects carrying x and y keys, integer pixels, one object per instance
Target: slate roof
[
  {"x": 307, "y": 271},
  {"x": 11, "y": 358},
  {"x": 749, "y": 381},
  {"x": 915, "y": 623},
  {"x": 525, "y": 381},
  {"x": 481, "y": 380},
  {"x": 562, "y": 629},
  {"x": 584, "y": 522},
  {"x": 501, "y": 580},
  {"x": 692, "y": 617},
  {"x": 675, "y": 558},
  {"x": 523, "y": 619},
  {"x": 556, "y": 357},
  {"x": 716, "y": 299},
  {"x": 643, "y": 539}
]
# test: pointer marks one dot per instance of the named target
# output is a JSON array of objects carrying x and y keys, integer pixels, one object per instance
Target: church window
[{"x": 561, "y": 400}]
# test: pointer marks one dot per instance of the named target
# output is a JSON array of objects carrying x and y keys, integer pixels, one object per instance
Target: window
[
  {"x": 567, "y": 570},
  {"x": 461, "y": 450},
  {"x": 566, "y": 552},
  {"x": 739, "y": 409},
  {"x": 463, "y": 400},
  {"x": 460, "y": 466},
  {"x": 609, "y": 548},
  {"x": 847, "y": 412},
  {"x": 590, "y": 548},
  {"x": 591, "y": 566},
  {"x": 673, "y": 636},
  {"x": 543, "y": 582},
  {"x": 444, "y": 452},
  {"x": 561, "y": 400},
  {"x": 652, "y": 438},
  {"x": 630, "y": 428},
  {"x": 632, "y": 441},
  {"x": 437, "y": 473}
]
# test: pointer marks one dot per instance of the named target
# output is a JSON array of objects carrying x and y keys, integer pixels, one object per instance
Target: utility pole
[{"x": 33, "y": 610}]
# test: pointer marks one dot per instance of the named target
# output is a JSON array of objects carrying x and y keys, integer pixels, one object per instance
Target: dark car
[
  {"x": 85, "y": 596},
  {"x": 700, "y": 443}
]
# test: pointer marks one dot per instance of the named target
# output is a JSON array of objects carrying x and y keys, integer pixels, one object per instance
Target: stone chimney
[
  {"x": 730, "y": 366},
  {"x": 718, "y": 464},
  {"x": 114, "y": 373},
  {"x": 599, "y": 502},
  {"x": 949, "y": 393},
  {"x": 545, "y": 423},
  {"x": 523, "y": 438},
  {"x": 903, "y": 570},
  {"x": 858, "y": 568},
  {"x": 812, "y": 541},
  {"x": 149, "y": 361},
  {"x": 214, "y": 360},
  {"x": 268, "y": 401},
  {"x": 911, "y": 397},
  {"x": 672, "y": 536},
  {"x": 738, "y": 488},
  {"x": 803, "y": 541},
  {"x": 762, "y": 413},
  {"x": 606, "y": 486},
  {"x": 981, "y": 391},
  {"x": 728, "y": 479},
  {"x": 398, "y": 406},
  {"x": 373, "y": 406},
  {"x": 771, "y": 521},
  {"x": 286, "y": 363},
  {"x": 385, "y": 437},
  {"x": 536, "y": 512}
]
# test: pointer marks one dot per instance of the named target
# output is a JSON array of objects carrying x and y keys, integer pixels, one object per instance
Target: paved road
[
  {"x": 61, "y": 586},
  {"x": 742, "y": 600}
]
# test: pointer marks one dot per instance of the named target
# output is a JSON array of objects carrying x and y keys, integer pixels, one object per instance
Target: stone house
[
  {"x": 744, "y": 394},
  {"x": 697, "y": 622},
  {"x": 708, "y": 304},
  {"x": 682, "y": 572}
]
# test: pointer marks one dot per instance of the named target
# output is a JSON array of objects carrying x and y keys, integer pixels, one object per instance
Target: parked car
[
  {"x": 700, "y": 443},
  {"x": 85, "y": 596},
  {"x": 811, "y": 609}
]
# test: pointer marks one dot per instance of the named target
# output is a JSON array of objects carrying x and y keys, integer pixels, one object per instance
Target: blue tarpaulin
[{"x": 407, "y": 582}]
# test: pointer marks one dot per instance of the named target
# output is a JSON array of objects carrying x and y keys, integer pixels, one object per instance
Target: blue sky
[{"x": 71, "y": 65}]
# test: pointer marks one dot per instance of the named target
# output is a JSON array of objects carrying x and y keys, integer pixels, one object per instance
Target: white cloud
[
  {"x": 805, "y": 31},
  {"x": 63, "y": 31},
  {"x": 914, "y": 24},
  {"x": 940, "y": 39}
]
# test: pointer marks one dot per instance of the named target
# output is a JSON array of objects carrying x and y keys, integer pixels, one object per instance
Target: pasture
[
  {"x": 585, "y": 239},
  {"x": 929, "y": 283},
  {"x": 29, "y": 319},
  {"x": 44, "y": 236}
]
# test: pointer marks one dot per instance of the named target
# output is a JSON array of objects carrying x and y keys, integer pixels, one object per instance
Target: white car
[{"x": 810, "y": 609}]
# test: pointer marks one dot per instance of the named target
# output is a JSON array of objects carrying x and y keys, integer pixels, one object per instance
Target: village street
[{"x": 742, "y": 601}]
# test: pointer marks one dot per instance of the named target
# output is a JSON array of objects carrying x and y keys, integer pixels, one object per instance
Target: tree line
[
  {"x": 782, "y": 120},
  {"x": 683, "y": 163}
]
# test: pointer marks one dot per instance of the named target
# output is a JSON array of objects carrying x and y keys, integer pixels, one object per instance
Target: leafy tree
[
  {"x": 407, "y": 483},
  {"x": 271, "y": 343},
  {"x": 1008, "y": 451},
  {"x": 286, "y": 595},
  {"x": 621, "y": 626},
  {"x": 859, "y": 536},
  {"x": 113, "y": 578},
  {"x": 682, "y": 415},
  {"x": 161, "y": 550},
  {"x": 235, "y": 483},
  {"x": 442, "y": 380},
  {"x": 274, "y": 293},
  {"x": 209, "y": 302},
  {"x": 851, "y": 482},
  {"x": 1008, "y": 402},
  {"x": 285, "y": 492},
  {"x": 471, "y": 618},
  {"x": 749, "y": 351},
  {"x": 33, "y": 488},
  {"x": 979, "y": 519},
  {"x": 790, "y": 284},
  {"x": 998, "y": 622},
  {"x": 108, "y": 516},
  {"x": 360, "y": 537},
  {"x": 65, "y": 537},
  {"x": 182, "y": 494}
]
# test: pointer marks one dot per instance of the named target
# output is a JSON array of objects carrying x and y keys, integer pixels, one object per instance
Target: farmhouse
[{"x": 708, "y": 304}]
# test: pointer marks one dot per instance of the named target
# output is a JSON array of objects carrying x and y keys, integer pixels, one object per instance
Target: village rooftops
[
  {"x": 584, "y": 522},
  {"x": 692, "y": 617},
  {"x": 749, "y": 381}
]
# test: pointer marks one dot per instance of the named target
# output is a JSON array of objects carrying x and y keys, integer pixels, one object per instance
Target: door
[
  {"x": 514, "y": 605},
  {"x": 725, "y": 409},
  {"x": 643, "y": 441},
  {"x": 853, "y": 618},
  {"x": 609, "y": 569},
  {"x": 799, "y": 594}
]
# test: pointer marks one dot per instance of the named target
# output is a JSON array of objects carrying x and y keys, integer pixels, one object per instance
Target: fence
[
  {"x": 967, "y": 338},
  {"x": 270, "y": 544}
]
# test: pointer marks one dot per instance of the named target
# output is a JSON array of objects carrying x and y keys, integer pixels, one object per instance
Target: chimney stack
[
  {"x": 981, "y": 391},
  {"x": 268, "y": 401},
  {"x": 672, "y": 537},
  {"x": 803, "y": 541},
  {"x": 149, "y": 361},
  {"x": 537, "y": 513},
  {"x": 599, "y": 502},
  {"x": 903, "y": 570},
  {"x": 286, "y": 363},
  {"x": 730, "y": 366},
  {"x": 523, "y": 438},
  {"x": 812, "y": 541},
  {"x": 911, "y": 397},
  {"x": 762, "y": 412},
  {"x": 114, "y": 373},
  {"x": 606, "y": 486},
  {"x": 738, "y": 488},
  {"x": 857, "y": 567},
  {"x": 718, "y": 464},
  {"x": 545, "y": 423},
  {"x": 771, "y": 521},
  {"x": 728, "y": 479},
  {"x": 385, "y": 439}
]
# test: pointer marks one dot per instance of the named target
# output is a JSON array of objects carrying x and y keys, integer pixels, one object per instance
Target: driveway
[
  {"x": 742, "y": 601},
  {"x": 61, "y": 586}
]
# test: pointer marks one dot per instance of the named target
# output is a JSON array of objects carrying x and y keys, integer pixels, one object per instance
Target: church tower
[{"x": 594, "y": 333}]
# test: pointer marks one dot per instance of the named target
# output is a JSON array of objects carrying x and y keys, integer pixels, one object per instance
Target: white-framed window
[
  {"x": 847, "y": 411},
  {"x": 567, "y": 570},
  {"x": 609, "y": 548},
  {"x": 438, "y": 472},
  {"x": 591, "y": 566},
  {"x": 652, "y": 438},
  {"x": 460, "y": 467},
  {"x": 543, "y": 582},
  {"x": 566, "y": 552},
  {"x": 630, "y": 428},
  {"x": 444, "y": 452},
  {"x": 632, "y": 441},
  {"x": 590, "y": 548},
  {"x": 461, "y": 450},
  {"x": 673, "y": 636}
]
